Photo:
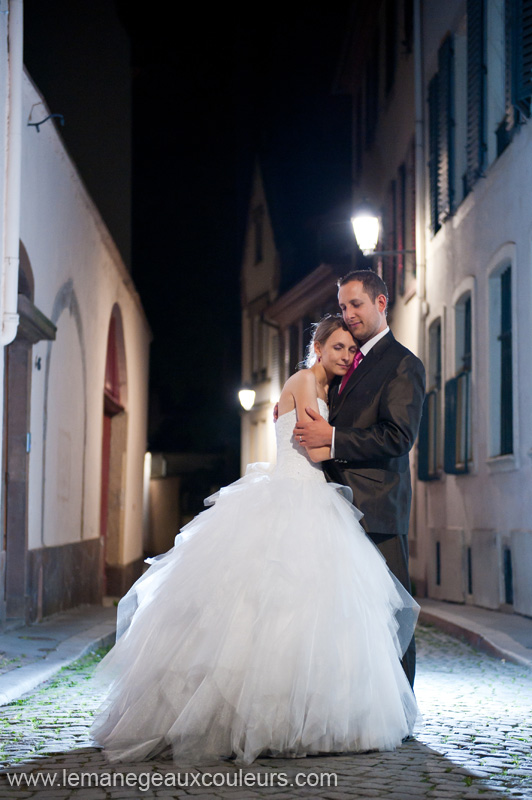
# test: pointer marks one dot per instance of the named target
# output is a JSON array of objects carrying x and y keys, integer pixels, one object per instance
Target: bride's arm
[{"x": 303, "y": 388}]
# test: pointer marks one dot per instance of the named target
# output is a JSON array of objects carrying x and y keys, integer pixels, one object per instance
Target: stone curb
[
  {"x": 493, "y": 642},
  {"x": 16, "y": 682}
]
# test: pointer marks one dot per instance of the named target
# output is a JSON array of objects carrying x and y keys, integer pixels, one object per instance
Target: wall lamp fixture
[
  {"x": 247, "y": 398},
  {"x": 366, "y": 226}
]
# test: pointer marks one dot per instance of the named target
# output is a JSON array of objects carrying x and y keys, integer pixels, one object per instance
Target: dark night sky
[
  {"x": 210, "y": 90},
  {"x": 207, "y": 98}
]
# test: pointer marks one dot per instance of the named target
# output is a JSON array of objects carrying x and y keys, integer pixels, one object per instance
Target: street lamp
[
  {"x": 247, "y": 398},
  {"x": 366, "y": 226}
]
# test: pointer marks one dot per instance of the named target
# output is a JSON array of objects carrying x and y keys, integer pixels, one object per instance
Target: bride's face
[{"x": 337, "y": 353}]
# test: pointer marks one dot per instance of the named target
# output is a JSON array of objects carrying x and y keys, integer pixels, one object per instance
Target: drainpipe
[
  {"x": 13, "y": 162},
  {"x": 420, "y": 495}
]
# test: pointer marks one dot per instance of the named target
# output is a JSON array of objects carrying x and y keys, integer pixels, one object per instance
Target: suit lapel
[{"x": 367, "y": 364}]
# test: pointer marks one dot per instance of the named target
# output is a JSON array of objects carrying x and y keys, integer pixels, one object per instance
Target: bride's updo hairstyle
[{"x": 320, "y": 333}]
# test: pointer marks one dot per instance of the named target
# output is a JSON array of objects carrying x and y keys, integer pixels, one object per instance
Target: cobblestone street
[{"x": 475, "y": 740}]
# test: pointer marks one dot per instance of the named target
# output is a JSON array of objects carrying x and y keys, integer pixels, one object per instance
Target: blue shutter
[
  {"x": 433, "y": 153},
  {"x": 476, "y": 91},
  {"x": 423, "y": 444},
  {"x": 401, "y": 227},
  {"x": 390, "y": 232},
  {"x": 523, "y": 83},
  {"x": 450, "y": 455},
  {"x": 511, "y": 44},
  {"x": 445, "y": 130},
  {"x": 506, "y": 363},
  {"x": 428, "y": 438}
]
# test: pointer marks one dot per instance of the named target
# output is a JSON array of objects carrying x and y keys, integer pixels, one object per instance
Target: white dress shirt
[{"x": 366, "y": 347}]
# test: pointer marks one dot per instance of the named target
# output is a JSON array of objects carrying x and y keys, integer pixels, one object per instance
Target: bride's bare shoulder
[
  {"x": 300, "y": 382},
  {"x": 304, "y": 377}
]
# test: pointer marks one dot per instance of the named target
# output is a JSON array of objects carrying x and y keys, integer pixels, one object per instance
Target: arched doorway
[
  {"x": 114, "y": 445},
  {"x": 17, "y": 602}
]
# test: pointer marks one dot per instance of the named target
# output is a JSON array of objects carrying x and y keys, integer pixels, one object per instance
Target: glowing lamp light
[
  {"x": 366, "y": 228},
  {"x": 247, "y": 398}
]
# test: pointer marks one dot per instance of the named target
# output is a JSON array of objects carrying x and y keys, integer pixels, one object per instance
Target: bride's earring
[{"x": 319, "y": 359}]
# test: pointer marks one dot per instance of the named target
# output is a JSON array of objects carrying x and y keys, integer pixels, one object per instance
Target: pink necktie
[{"x": 356, "y": 361}]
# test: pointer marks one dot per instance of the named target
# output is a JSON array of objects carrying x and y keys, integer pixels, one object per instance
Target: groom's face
[{"x": 363, "y": 317}]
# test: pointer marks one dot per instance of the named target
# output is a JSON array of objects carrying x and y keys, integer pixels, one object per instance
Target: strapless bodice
[{"x": 292, "y": 459}]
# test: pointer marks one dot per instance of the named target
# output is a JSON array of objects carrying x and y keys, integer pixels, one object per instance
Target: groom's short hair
[{"x": 372, "y": 283}]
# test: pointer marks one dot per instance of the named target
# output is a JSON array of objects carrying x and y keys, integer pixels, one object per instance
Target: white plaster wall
[
  {"x": 493, "y": 222},
  {"x": 72, "y": 256},
  {"x": 4, "y": 73},
  {"x": 496, "y": 213}
]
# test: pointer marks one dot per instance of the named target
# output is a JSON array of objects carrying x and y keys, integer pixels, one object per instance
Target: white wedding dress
[{"x": 270, "y": 628}]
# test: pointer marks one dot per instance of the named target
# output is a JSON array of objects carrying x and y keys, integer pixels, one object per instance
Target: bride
[{"x": 271, "y": 627}]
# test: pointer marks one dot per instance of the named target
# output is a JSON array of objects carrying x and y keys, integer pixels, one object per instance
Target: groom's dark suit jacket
[{"x": 377, "y": 419}]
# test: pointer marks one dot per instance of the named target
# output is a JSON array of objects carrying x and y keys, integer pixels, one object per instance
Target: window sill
[{"x": 506, "y": 463}]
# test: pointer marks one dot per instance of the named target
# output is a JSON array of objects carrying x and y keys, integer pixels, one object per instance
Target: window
[
  {"x": 476, "y": 146},
  {"x": 460, "y": 113},
  {"x": 518, "y": 69},
  {"x": 441, "y": 137},
  {"x": 401, "y": 226},
  {"x": 501, "y": 371},
  {"x": 410, "y": 213},
  {"x": 496, "y": 59},
  {"x": 430, "y": 435},
  {"x": 258, "y": 223},
  {"x": 458, "y": 445},
  {"x": 389, "y": 263},
  {"x": 522, "y": 55},
  {"x": 446, "y": 129},
  {"x": 259, "y": 349},
  {"x": 434, "y": 157},
  {"x": 399, "y": 229}
]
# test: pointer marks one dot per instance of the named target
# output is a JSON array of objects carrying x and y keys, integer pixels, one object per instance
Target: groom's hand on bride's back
[{"x": 314, "y": 433}]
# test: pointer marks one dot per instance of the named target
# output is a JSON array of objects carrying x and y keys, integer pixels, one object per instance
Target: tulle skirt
[{"x": 271, "y": 627}]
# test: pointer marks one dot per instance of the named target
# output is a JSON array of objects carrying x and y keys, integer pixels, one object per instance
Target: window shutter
[
  {"x": 518, "y": 69},
  {"x": 476, "y": 90},
  {"x": 506, "y": 363},
  {"x": 524, "y": 56},
  {"x": 389, "y": 262},
  {"x": 423, "y": 444},
  {"x": 445, "y": 130},
  {"x": 433, "y": 152},
  {"x": 428, "y": 438},
  {"x": 401, "y": 228},
  {"x": 454, "y": 397},
  {"x": 510, "y": 89},
  {"x": 451, "y": 400},
  {"x": 412, "y": 216}
]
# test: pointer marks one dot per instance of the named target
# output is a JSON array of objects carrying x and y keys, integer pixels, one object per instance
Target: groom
[{"x": 374, "y": 417}]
